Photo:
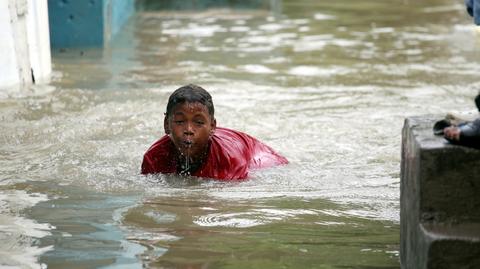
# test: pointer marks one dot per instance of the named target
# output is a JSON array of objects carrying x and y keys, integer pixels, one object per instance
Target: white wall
[
  {"x": 39, "y": 39},
  {"x": 24, "y": 43},
  {"x": 9, "y": 74}
]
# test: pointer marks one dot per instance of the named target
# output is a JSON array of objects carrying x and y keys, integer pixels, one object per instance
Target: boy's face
[{"x": 190, "y": 126}]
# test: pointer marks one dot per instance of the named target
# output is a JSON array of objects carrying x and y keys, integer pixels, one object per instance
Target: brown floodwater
[{"x": 328, "y": 84}]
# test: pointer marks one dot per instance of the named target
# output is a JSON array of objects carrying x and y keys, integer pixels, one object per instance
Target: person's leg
[{"x": 476, "y": 11}]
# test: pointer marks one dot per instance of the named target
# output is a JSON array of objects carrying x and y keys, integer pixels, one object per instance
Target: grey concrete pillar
[{"x": 439, "y": 200}]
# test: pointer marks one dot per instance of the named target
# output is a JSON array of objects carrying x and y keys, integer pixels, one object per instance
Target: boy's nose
[{"x": 188, "y": 129}]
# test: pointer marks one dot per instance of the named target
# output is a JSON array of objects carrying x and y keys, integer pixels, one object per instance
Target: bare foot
[{"x": 452, "y": 133}]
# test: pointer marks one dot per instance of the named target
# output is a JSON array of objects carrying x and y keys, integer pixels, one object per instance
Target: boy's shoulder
[
  {"x": 234, "y": 153},
  {"x": 245, "y": 149},
  {"x": 159, "y": 157},
  {"x": 228, "y": 157},
  {"x": 229, "y": 133},
  {"x": 233, "y": 142},
  {"x": 162, "y": 146}
]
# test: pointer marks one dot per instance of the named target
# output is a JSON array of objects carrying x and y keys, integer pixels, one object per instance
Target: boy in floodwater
[{"x": 194, "y": 145}]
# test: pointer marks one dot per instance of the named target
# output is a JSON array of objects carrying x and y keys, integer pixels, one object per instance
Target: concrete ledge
[
  {"x": 440, "y": 200},
  {"x": 452, "y": 246}
]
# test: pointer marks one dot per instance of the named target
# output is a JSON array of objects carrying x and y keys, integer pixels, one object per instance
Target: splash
[{"x": 185, "y": 167}]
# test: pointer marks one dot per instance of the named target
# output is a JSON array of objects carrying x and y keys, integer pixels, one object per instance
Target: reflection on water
[
  {"x": 267, "y": 233},
  {"x": 326, "y": 84}
]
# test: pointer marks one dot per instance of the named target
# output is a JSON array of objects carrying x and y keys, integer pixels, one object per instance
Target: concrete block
[
  {"x": 440, "y": 200},
  {"x": 87, "y": 23}
]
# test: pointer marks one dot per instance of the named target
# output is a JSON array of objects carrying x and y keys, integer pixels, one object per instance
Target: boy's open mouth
[{"x": 188, "y": 143}]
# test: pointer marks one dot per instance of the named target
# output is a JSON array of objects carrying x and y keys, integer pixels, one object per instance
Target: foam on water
[
  {"x": 322, "y": 17},
  {"x": 316, "y": 71},
  {"x": 257, "y": 69},
  {"x": 194, "y": 30}
]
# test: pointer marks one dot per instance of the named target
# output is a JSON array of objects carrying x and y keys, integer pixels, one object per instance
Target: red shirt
[{"x": 231, "y": 155}]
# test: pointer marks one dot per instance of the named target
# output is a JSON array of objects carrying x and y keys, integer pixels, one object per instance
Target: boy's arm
[{"x": 147, "y": 167}]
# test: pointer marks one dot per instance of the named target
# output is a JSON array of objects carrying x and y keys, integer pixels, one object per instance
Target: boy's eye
[
  {"x": 178, "y": 121},
  {"x": 199, "y": 122}
]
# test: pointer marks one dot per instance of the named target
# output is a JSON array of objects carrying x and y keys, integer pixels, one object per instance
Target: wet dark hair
[{"x": 190, "y": 93}]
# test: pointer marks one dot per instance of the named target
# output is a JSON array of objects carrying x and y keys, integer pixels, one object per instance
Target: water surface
[{"x": 326, "y": 84}]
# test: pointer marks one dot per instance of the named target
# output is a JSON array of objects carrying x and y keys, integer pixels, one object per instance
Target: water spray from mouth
[{"x": 186, "y": 165}]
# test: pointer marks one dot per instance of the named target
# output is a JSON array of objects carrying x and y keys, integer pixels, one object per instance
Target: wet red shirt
[{"x": 232, "y": 155}]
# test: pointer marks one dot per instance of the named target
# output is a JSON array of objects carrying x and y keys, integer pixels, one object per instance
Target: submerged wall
[
  {"x": 24, "y": 43},
  {"x": 87, "y": 23},
  {"x": 439, "y": 199}
]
